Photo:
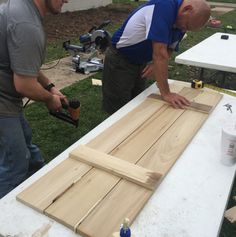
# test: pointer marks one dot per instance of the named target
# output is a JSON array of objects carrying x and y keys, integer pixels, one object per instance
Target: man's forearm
[
  {"x": 161, "y": 75},
  {"x": 161, "y": 59},
  {"x": 43, "y": 80},
  {"x": 31, "y": 88},
  {"x": 160, "y": 62}
]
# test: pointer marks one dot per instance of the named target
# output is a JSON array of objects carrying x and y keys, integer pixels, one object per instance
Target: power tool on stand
[
  {"x": 96, "y": 40},
  {"x": 70, "y": 112}
]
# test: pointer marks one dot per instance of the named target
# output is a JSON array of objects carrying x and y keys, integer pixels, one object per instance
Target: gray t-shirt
[{"x": 22, "y": 50}]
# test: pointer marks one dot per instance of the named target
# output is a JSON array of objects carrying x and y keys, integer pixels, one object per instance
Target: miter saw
[{"x": 96, "y": 40}]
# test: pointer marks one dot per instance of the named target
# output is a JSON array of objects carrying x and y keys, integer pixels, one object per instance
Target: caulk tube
[{"x": 228, "y": 144}]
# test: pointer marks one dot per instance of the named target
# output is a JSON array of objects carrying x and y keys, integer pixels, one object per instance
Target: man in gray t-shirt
[{"x": 22, "y": 51}]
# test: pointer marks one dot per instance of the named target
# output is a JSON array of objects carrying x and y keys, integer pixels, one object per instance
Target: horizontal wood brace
[
  {"x": 193, "y": 106},
  {"x": 116, "y": 166}
]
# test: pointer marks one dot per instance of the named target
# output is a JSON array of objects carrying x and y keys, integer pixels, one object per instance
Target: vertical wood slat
[
  {"x": 52, "y": 185},
  {"x": 74, "y": 206},
  {"x": 133, "y": 120}
]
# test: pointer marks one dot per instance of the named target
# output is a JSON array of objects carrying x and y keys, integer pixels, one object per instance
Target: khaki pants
[{"x": 121, "y": 81}]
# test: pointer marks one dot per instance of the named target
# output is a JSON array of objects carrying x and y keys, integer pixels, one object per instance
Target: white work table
[
  {"x": 213, "y": 53},
  {"x": 190, "y": 202}
]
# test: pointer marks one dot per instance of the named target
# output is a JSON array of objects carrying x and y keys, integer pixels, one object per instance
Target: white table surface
[
  {"x": 190, "y": 202},
  {"x": 213, "y": 53}
]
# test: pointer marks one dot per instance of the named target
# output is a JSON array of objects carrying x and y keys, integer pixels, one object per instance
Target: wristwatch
[{"x": 49, "y": 87}]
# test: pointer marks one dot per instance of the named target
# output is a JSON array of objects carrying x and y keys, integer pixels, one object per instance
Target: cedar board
[{"x": 152, "y": 136}]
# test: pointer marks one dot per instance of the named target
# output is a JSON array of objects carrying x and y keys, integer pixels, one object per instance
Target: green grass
[{"x": 54, "y": 136}]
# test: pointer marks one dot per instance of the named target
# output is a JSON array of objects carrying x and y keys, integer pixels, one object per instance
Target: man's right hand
[{"x": 54, "y": 103}]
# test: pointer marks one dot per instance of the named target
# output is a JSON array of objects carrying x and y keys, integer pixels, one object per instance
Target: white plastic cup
[{"x": 228, "y": 145}]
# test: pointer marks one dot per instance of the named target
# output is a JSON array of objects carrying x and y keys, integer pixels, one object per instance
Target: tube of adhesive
[
  {"x": 228, "y": 144},
  {"x": 125, "y": 230}
]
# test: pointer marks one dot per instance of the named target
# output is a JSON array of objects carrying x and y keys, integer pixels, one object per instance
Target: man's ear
[{"x": 187, "y": 9}]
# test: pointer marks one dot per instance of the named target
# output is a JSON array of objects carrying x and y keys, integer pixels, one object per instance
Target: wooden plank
[
  {"x": 115, "y": 166},
  {"x": 52, "y": 185},
  {"x": 193, "y": 106},
  {"x": 162, "y": 156},
  {"x": 64, "y": 175},
  {"x": 124, "y": 127},
  {"x": 81, "y": 204},
  {"x": 190, "y": 93},
  {"x": 122, "y": 151},
  {"x": 138, "y": 143},
  {"x": 61, "y": 214},
  {"x": 212, "y": 98},
  {"x": 230, "y": 214},
  {"x": 77, "y": 203},
  {"x": 119, "y": 206},
  {"x": 166, "y": 150},
  {"x": 134, "y": 119}
]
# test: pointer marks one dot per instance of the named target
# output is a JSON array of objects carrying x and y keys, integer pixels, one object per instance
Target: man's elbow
[
  {"x": 22, "y": 84},
  {"x": 19, "y": 88}
]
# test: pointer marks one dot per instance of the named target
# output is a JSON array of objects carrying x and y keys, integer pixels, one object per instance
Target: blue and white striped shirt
[{"x": 153, "y": 21}]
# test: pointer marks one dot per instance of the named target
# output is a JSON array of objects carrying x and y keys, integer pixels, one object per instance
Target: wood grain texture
[
  {"x": 84, "y": 205},
  {"x": 114, "y": 135},
  {"x": 162, "y": 155},
  {"x": 152, "y": 136},
  {"x": 106, "y": 218},
  {"x": 51, "y": 186},
  {"x": 156, "y": 121},
  {"x": 115, "y": 166},
  {"x": 193, "y": 105},
  {"x": 76, "y": 204},
  {"x": 123, "y": 128}
]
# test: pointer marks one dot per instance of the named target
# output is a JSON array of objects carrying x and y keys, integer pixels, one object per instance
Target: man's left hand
[
  {"x": 148, "y": 71},
  {"x": 55, "y": 91}
]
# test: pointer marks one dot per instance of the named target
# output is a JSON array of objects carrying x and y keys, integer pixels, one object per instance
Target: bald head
[{"x": 192, "y": 15}]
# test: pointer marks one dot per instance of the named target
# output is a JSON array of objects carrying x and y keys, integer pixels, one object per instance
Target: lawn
[{"x": 54, "y": 136}]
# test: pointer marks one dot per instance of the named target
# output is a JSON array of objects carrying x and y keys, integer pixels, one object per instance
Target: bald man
[
  {"x": 21, "y": 56},
  {"x": 142, "y": 46}
]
